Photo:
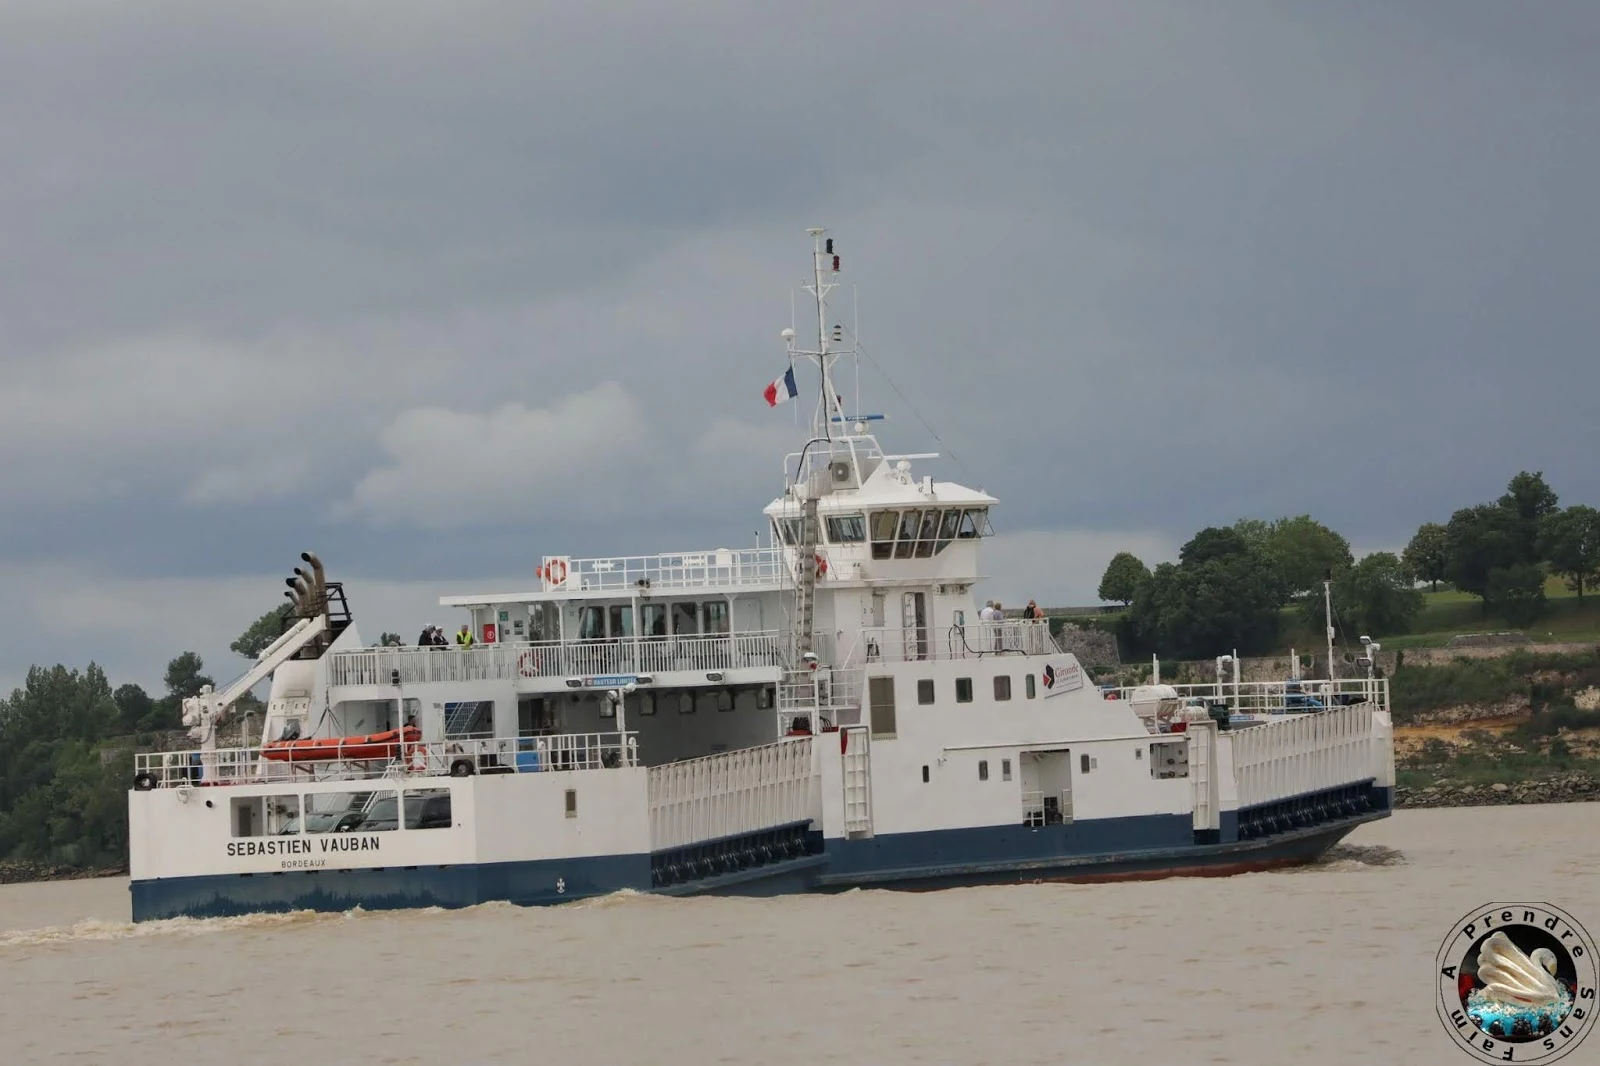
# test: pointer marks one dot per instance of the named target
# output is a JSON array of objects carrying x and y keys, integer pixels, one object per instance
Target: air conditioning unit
[{"x": 842, "y": 473}]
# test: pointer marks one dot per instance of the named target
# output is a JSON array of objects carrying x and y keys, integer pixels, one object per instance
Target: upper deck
[{"x": 717, "y": 570}]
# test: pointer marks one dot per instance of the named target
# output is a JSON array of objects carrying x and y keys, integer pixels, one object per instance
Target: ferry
[{"x": 824, "y": 711}]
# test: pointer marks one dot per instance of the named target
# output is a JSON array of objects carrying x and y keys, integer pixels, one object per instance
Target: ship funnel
[{"x": 319, "y": 582}]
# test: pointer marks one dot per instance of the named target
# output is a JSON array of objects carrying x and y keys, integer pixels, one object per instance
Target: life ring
[
  {"x": 555, "y": 572},
  {"x": 822, "y": 565},
  {"x": 528, "y": 664}
]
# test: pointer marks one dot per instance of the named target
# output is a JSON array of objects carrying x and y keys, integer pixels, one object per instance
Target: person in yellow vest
[{"x": 464, "y": 638}]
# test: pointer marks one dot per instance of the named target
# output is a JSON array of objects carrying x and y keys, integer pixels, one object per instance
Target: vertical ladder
[
  {"x": 1203, "y": 776},
  {"x": 857, "y": 775},
  {"x": 806, "y": 556}
]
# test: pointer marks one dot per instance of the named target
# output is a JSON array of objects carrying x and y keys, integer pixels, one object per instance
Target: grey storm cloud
[{"x": 435, "y": 288}]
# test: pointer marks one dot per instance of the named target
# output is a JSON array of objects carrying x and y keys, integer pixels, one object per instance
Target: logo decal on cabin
[
  {"x": 1517, "y": 982},
  {"x": 1063, "y": 675}
]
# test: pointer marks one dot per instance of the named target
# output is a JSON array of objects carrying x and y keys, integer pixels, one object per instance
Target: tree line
[
  {"x": 1230, "y": 585},
  {"x": 67, "y": 739}
]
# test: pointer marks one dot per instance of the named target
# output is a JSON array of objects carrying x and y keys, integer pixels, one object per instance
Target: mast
[{"x": 824, "y": 267}]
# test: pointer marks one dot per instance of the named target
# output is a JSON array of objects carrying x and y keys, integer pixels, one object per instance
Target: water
[{"x": 1319, "y": 965}]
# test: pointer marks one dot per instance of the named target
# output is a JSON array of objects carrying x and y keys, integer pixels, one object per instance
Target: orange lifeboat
[{"x": 342, "y": 749}]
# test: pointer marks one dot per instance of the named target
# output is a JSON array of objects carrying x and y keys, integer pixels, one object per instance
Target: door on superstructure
[{"x": 914, "y": 624}]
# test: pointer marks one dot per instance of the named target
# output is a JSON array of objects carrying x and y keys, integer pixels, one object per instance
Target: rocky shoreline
[
  {"x": 18, "y": 871},
  {"x": 1571, "y": 787}
]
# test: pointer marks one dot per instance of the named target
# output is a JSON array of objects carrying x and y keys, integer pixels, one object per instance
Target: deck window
[
  {"x": 685, "y": 619},
  {"x": 880, "y": 698},
  {"x": 1028, "y": 686},
  {"x": 924, "y": 773},
  {"x": 963, "y": 690},
  {"x": 472, "y": 719},
  {"x": 983, "y": 769},
  {"x": 653, "y": 618},
  {"x": 1002, "y": 687},
  {"x": 257, "y": 816},
  {"x": 621, "y": 619},
  {"x": 352, "y": 812},
  {"x": 716, "y": 613},
  {"x": 925, "y": 690},
  {"x": 428, "y": 808},
  {"x": 572, "y": 803},
  {"x": 847, "y": 528},
  {"x": 1005, "y": 769}
]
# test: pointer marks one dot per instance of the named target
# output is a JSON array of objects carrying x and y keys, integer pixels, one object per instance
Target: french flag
[{"x": 781, "y": 390}]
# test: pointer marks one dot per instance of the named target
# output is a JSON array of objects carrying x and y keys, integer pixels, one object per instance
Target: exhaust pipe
[{"x": 319, "y": 576}]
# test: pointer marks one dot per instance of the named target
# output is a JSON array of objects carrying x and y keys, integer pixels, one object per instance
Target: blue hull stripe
[{"x": 1099, "y": 847}]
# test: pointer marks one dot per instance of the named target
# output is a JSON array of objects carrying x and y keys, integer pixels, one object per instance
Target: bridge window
[
  {"x": 789, "y": 530},
  {"x": 963, "y": 690},
  {"x": 927, "y": 533},
  {"x": 847, "y": 528},
  {"x": 975, "y": 523},
  {"x": 925, "y": 690},
  {"x": 352, "y": 812},
  {"x": 947, "y": 528},
  {"x": 908, "y": 534},
  {"x": 428, "y": 808},
  {"x": 883, "y": 523},
  {"x": 1002, "y": 687},
  {"x": 880, "y": 698}
]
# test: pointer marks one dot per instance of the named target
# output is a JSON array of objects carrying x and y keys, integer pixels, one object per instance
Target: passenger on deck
[
  {"x": 426, "y": 640},
  {"x": 999, "y": 632},
  {"x": 1033, "y": 612},
  {"x": 464, "y": 638}
]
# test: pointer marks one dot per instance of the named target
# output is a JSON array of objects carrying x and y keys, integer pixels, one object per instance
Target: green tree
[
  {"x": 1303, "y": 551},
  {"x": 1516, "y": 593},
  {"x": 133, "y": 706},
  {"x": 1123, "y": 576},
  {"x": 1428, "y": 554},
  {"x": 263, "y": 631},
  {"x": 1531, "y": 501},
  {"x": 1570, "y": 541},
  {"x": 1377, "y": 595},
  {"x": 1222, "y": 594},
  {"x": 184, "y": 677},
  {"x": 1480, "y": 540}
]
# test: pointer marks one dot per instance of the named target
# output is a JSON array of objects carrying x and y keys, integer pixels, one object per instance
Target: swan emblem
[{"x": 1515, "y": 979}]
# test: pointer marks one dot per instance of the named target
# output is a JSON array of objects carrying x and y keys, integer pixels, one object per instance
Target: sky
[{"x": 437, "y": 289}]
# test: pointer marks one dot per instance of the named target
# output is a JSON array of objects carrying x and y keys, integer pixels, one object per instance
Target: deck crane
[{"x": 321, "y": 613}]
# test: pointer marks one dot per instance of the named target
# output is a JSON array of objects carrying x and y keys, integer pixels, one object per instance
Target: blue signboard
[{"x": 610, "y": 681}]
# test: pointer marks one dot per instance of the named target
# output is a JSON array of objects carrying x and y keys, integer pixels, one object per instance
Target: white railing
[
  {"x": 832, "y": 695},
  {"x": 510, "y": 661},
  {"x": 974, "y": 640},
  {"x": 718, "y": 568},
  {"x": 735, "y": 792},
  {"x": 1303, "y": 753},
  {"x": 1262, "y": 697},
  {"x": 459, "y": 758}
]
